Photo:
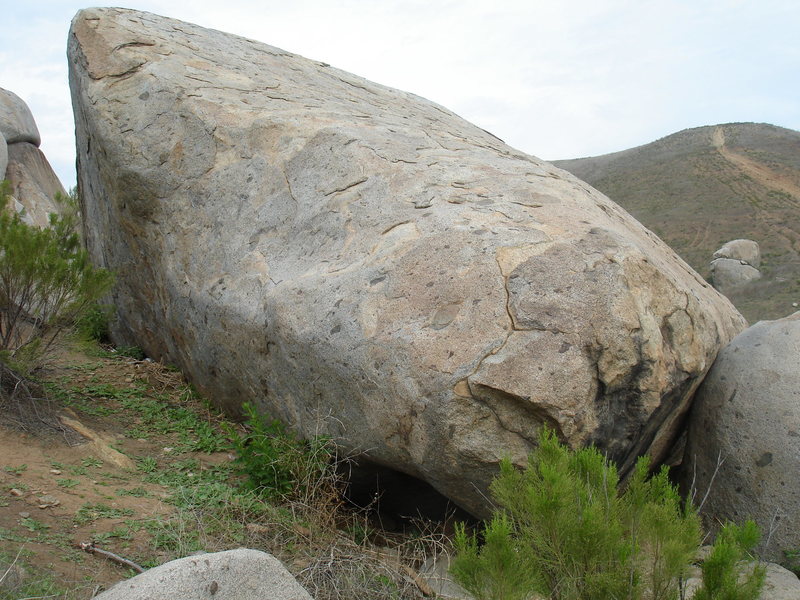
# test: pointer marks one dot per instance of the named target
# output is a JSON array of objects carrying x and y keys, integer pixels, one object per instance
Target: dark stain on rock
[{"x": 765, "y": 459}]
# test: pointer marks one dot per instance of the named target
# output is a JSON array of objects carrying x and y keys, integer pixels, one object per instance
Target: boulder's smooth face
[
  {"x": 16, "y": 120},
  {"x": 363, "y": 263},
  {"x": 746, "y": 250},
  {"x": 241, "y": 574},
  {"x": 747, "y": 414},
  {"x": 34, "y": 184}
]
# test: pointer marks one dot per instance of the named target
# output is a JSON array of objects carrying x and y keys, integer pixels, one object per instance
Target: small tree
[
  {"x": 46, "y": 279},
  {"x": 564, "y": 531}
]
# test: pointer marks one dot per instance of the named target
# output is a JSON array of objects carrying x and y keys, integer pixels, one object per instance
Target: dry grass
[{"x": 334, "y": 550}]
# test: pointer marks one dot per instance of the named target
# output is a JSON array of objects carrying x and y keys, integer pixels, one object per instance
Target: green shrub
[
  {"x": 722, "y": 579},
  {"x": 275, "y": 461},
  {"x": 93, "y": 324},
  {"x": 564, "y": 531},
  {"x": 46, "y": 280}
]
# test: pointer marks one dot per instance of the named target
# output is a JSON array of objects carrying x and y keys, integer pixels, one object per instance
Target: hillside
[{"x": 701, "y": 187}]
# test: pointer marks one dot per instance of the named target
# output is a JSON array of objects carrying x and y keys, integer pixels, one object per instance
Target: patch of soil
[{"x": 69, "y": 476}]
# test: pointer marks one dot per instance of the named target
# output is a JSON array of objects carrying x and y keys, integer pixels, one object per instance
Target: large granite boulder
[
  {"x": 34, "y": 184},
  {"x": 363, "y": 263},
  {"x": 747, "y": 415},
  {"x": 16, "y": 120},
  {"x": 240, "y": 574}
]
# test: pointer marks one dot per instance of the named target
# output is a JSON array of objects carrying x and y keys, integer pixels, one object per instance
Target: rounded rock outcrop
[
  {"x": 741, "y": 250},
  {"x": 747, "y": 415},
  {"x": 731, "y": 274},
  {"x": 16, "y": 120},
  {"x": 34, "y": 184},
  {"x": 360, "y": 262}
]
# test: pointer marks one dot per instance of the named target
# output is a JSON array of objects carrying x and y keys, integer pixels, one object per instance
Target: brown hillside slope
[{"x": 701, "y": 187}]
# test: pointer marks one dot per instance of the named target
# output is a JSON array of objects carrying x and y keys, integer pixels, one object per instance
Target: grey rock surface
[
  {"x": 34, "y": 184},
  {"x": 435, "y": 571},
  {"x": 16, "y": 120},
  {"x": 746, "y": 250},
  {"x": 3, "y": 157},
  {"x": 729, "y": 274},
  {"x": 241, "y": 574},
  {"x": 748, "y": 412},
  {"x": 362, "y": 263}
]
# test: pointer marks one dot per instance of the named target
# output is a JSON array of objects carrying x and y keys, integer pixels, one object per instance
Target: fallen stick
[
  {"x": 92, "y": 549},
  {"x": 418, "y": 581}
]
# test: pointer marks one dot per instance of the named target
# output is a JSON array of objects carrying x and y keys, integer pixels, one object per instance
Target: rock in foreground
[
  {"x": 240, "y": 574},
  {"x": 747, "y": 414},
  {"x": 363, "y": 263}
]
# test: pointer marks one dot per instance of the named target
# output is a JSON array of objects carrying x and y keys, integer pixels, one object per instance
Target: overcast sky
[{"x": 557, "y": 79}]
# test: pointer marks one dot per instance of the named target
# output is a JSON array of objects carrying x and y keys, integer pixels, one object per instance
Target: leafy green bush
[
  {"x": 46, "y": 279},
  {"x": 276, "y": 462},
  {"x": 93, "y": 324},
  {"x": 564, "y": 531}
]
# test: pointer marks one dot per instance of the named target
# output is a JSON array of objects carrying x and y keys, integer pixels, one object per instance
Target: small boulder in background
[
  {"x": 731, "y": 274},
  {"x": 735, "y": 265},
  {"x": 741, "y": 250},
  {"x": 16, "y": 120},
  {"x": 34, "y": 184}
]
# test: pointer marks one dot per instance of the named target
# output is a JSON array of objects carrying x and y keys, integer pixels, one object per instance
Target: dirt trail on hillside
[
  {"x": 757, "y": 171},
  {"x": 763, "y": 176}
]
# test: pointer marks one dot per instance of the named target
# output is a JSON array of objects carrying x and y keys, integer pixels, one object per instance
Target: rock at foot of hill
[
  {"x": 362, "y": 263},
  {"x": 747, "y": 251}
]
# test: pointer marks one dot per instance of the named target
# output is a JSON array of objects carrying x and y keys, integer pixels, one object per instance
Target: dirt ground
[{"x": 68, "y": 475}]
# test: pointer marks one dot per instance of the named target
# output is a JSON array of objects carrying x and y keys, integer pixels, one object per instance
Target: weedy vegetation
[
  {"x": 46, "y": 280},
  {"x": 565, "y": 531}
]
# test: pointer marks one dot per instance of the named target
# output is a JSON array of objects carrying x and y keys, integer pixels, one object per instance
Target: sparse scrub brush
[
  {"x": 276, "y": 462},
  {"x": 726, "y": 573},
  {"x": 563, "y": 531},
  {"x": 46, "y": 280}
]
